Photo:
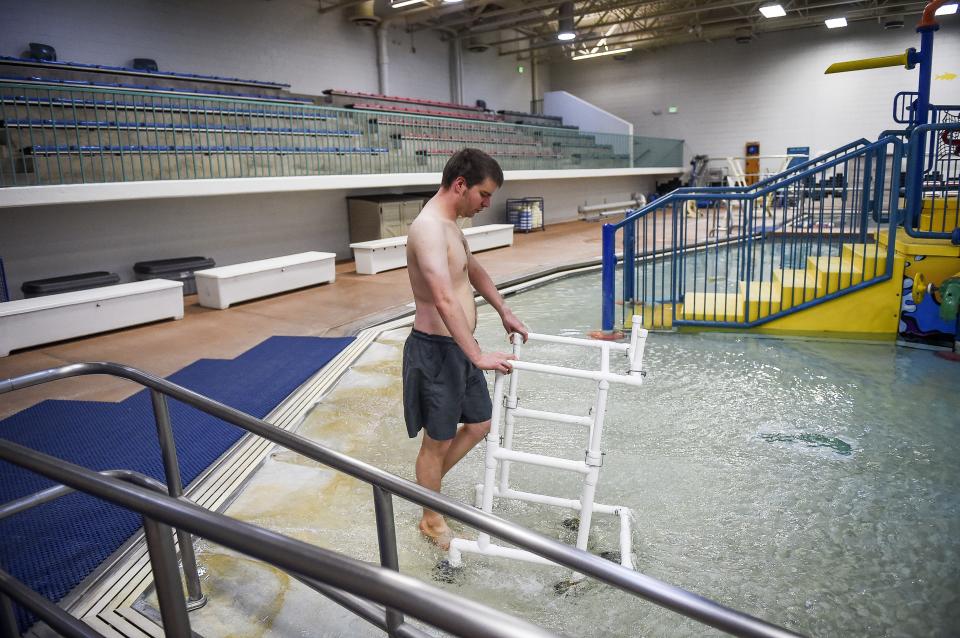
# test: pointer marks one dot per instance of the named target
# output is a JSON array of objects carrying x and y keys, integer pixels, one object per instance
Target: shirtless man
[{"x": 442, "y": 380}]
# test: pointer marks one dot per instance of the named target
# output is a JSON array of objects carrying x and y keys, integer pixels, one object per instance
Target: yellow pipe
[{"x": 869, "y": 63}]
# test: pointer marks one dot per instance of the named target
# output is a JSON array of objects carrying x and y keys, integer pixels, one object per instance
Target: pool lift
[{"x": 500, "y": 452}]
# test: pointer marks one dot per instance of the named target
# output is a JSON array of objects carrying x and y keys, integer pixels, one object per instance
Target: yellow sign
[{"x": 946, "y": 76}]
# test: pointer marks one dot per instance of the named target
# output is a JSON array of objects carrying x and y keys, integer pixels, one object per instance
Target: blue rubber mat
[{"x": 54, "y": 546}]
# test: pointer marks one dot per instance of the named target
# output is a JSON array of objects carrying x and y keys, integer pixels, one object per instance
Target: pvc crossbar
[
  {"x": 556, "y": 417},
  {"x": 541, "y": 460},
  {"x": 546, "y": 499},
  {"x": 593, "y": 375}
]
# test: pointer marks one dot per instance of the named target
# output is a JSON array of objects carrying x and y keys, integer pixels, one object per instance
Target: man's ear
[{"x": 460, "y": 185}]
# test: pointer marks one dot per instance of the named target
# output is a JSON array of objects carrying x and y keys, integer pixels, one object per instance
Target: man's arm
[
  {"x": 482, "y": 283},
  {"x": 430, "y": 249}
]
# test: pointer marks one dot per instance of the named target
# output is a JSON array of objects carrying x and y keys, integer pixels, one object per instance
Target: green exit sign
[
  {"x": 672, "y": 109},
  {"x": 519, "y": 68}
]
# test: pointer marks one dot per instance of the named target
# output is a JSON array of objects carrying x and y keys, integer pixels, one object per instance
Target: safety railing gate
[
  {"x": 500, "y": 452},
  {"x": 379, "y": 595}
]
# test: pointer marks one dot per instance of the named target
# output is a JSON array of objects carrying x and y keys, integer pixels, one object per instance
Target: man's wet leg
[
  {"x": 465, "y": 440},
  {"x": 429, "y": 469}
]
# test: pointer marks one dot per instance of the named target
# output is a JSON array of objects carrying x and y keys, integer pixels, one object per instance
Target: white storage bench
[
  {"x": 489, "y": 236},
  {"x": 225, "y": 285},
  {"x": 388, "y": 253},
  {"x": 31, "y": 322}
]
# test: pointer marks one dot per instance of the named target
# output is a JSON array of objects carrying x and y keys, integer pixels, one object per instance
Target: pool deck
[{"x": 352, "y": 302}]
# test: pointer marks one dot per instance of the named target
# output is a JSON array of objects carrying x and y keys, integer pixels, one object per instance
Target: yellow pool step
[
  {"x": 797, "y": 286},
  {"x": 657, "y": 316},
  {"x": 870, "y": 258},
  {"x": 940, "y": 215},
  {"x": 709, "y": 306}
]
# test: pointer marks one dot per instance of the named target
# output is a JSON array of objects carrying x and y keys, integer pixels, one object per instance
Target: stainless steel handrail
[
  {"x": 161, "y": 512},
  {"x": 663, "y": 594}
]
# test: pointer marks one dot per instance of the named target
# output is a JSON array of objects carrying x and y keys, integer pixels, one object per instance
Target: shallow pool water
[{"x": 811, "y": 484}]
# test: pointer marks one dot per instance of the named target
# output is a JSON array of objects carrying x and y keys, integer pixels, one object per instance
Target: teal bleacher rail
[
  {"x": 56, "y": 134},
  {"x": 742, "y": 256}
]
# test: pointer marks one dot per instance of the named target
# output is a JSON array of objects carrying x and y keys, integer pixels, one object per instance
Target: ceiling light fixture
[
  {"x": 451, "y": 1},
  {"x": 946, "y": 10},
  {"x": 584, "y": 56},
  {"x": 835, "y": 23},
  {"x": 397, "y": 4},
  {"x": 565, "y": 30},
  {"x": 772, "y": 11}
]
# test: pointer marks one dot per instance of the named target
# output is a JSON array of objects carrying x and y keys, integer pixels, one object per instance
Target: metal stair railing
[
  {"x": 305, "y": 562},
  {"x": 744, "y": 235},
  {"x": 939, "y": 183},
  {"x": 797, "y": 168},
  {"x": 330, "y": 571}
]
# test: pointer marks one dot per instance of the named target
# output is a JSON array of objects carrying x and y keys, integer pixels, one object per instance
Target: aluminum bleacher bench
[
  {"x": 72, "y": 149},
  {"x": 363, "y": 106},
  {"x": 459, "y": 126},
  {"x": 178, "y": 128},
  {"x": 122, "y": 70},
  {"x": 388, "y": 253},
  {"x": 161, "y": 107},
  {"x": 225, "y": 285},
  {"x": 31, "y": 322},
  {"x": 153, "y": 89},
  {"x": 402, "y": 100},
  {"x": 464, "y": 139}
]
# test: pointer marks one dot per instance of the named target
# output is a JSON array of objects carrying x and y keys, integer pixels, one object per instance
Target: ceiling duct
[
  {"x": 363, "y": 15},
  {"x": 743, "y": 35},
  {"x": 892, "y": 22},
  {"x": 476, "y": 44}
]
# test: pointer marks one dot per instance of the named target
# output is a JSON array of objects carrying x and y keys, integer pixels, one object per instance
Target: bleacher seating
[
  {"x": 63, "y": 131},
  {"x": 121, "y": 70},
  {"x": 168, "y": 126},
  {"x": 152, "y": 89},
  {"x": 405, "y": 100},
  {"x": 368, "y": 106},
  {"x": 156, "y": 107}
]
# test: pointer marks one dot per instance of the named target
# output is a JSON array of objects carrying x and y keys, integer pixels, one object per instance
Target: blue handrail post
[
  {"x": 868, "y": 200},
  {"x": 921, "y": 115},
  {"x": 629, "y": 263},
  {"x": 608, "y": 275}
]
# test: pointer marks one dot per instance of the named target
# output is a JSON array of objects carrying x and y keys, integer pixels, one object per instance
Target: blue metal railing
[
  {"x": 933, "y": 198},
  {"x": 739, "y": 257}
]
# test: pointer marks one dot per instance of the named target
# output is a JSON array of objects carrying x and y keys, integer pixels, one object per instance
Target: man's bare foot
[{"x": 437, "y": 533}]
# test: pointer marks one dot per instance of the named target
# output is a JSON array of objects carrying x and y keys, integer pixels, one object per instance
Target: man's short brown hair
[{"x": 474, "y": 166}]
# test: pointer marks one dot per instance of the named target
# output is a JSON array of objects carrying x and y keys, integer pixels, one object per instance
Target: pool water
[{"x": 811, "y": 484}]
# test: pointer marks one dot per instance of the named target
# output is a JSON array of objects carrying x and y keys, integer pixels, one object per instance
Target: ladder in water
[{"x": 500, "y": 452}]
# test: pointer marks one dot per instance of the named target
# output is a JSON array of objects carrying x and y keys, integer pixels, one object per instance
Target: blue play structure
[{"x": 819, "y": 230}]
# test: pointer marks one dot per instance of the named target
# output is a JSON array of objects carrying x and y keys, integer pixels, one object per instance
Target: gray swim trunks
[{"x": 441, "y": 388}]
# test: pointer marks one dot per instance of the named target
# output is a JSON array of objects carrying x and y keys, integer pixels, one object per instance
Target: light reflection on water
[{"x": 811, "y": 484}]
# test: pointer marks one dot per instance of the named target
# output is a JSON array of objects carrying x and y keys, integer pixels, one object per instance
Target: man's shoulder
[{"x": 432, "y": 226}]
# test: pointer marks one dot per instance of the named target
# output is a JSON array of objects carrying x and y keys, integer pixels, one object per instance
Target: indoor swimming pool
[{"x": 811, "y": 484}]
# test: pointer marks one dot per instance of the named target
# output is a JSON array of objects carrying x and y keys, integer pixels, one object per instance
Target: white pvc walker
[{"x": 499, "y": 448}]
